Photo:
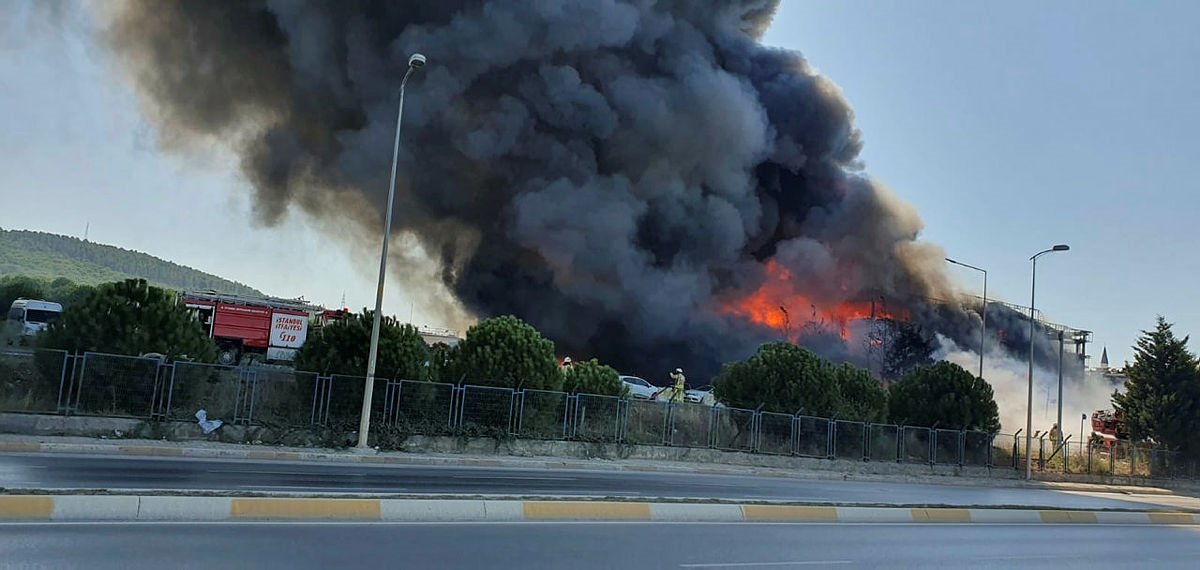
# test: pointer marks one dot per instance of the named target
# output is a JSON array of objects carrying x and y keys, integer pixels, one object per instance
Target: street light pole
[
  {"x": 983, "y": 313},
  {"x": 1029, "y": 401},
  {"x": 1061, "y": 430},
  {"x": 364, "y": 422}
]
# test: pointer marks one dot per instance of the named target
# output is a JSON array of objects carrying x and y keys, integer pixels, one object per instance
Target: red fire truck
[{"x": 264, "y": 328}]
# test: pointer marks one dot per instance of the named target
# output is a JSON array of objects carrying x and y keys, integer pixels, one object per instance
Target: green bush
[
  {"x": 343, "y": 348},
  {"x": 507, "y": 352},
  {"x": 130, "y": 317},
  {"x": 591, "y": 377},
  {"x": 945, "y": 395},
  {"x": 863, "y": 397},
  {"x": 782, "y": 377}
]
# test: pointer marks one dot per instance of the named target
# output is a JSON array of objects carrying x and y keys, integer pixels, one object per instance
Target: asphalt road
[
  {"x": 55, "y": 471},
  {"x": 587, "y": 546}
]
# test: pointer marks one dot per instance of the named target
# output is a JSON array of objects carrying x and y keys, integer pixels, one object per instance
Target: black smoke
[{"x": 615, "y": 172}]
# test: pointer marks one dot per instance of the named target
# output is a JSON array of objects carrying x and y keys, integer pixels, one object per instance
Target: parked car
[
  {"x": 639, "y": 388},
  {"x": 701, "y": 395}
]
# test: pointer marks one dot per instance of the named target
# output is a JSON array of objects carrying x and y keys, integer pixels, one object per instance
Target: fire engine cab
[{"x": 263, "y": 328}]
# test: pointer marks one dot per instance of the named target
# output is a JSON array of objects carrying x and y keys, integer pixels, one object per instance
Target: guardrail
[{"x": 55, "y": 382}]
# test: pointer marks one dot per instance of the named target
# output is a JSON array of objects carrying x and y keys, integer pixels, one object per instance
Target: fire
[{"x": 776, "y": 304}]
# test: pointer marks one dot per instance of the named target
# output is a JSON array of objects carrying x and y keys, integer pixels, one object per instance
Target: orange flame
[{"x": 777, "y": 305}]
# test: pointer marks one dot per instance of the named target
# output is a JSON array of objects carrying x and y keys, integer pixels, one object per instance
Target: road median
[{"x": 135, "y": 508}]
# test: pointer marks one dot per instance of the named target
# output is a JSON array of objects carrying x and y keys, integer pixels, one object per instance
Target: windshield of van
[{"x": 40, "y": 316}]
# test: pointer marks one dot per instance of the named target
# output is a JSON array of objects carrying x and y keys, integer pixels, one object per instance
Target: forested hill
[{"x": 50, "y": 256}]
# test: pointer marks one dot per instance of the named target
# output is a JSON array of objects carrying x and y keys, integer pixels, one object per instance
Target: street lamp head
[
  {"x": 417, "y": 61},
  {"x": 1061, "y": 247}
]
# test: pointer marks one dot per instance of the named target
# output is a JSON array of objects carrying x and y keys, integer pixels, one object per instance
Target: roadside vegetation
[{"x": 1159, "y": 403}]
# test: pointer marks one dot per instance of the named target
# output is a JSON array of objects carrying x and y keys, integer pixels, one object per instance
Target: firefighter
[
  {"x": 678, "y": 380},
  {"x": 1055, "y": 435}
]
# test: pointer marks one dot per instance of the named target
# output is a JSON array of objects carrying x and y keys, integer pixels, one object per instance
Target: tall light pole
[
  {"x": 1029, "y": 402},
  {"x": 1061, "y": 430},
  {"x": 417, "y": 61},
  {"x": 983, "y": 313}
]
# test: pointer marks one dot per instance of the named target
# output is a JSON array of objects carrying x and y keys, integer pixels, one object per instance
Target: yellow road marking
[
  {"x": 26, "y": 507},
  {"x": 941, "y": 515},
  {"x": 1067, "y": 516},
  {"x": 367, "y": 509},
  {"x": 788, "y": 513}
]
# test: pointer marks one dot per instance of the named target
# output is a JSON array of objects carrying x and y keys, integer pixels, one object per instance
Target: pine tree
[
  {"x": 1161, "y": 401},
  {"x": 944, "y": 394}
]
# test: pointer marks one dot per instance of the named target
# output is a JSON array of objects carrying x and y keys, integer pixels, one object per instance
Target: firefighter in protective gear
[{"x": 677, "y": 380}]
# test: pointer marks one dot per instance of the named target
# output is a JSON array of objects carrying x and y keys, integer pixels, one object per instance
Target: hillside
[{"x": 44, "y": 255}]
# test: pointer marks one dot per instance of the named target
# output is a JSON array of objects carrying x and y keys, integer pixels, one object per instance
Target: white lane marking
[
  {"x": 279, "y": 473},
  {"x": 513, "y": 478},
  {"x": 765, "y": 564}
]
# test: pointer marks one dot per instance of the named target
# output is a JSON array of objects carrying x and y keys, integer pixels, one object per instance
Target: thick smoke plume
[{"x": 618, "y": 173}]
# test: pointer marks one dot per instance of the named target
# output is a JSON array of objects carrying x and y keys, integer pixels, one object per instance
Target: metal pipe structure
[
  {"x": 415, "y": 62},
  {"x": 1029, "y": 400},
  {"x": 983, "y": 312}
]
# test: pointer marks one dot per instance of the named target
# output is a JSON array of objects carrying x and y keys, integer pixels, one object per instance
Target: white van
[{"x": 33, "y": 315}]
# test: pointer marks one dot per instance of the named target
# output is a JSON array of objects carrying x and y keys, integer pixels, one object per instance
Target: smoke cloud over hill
[{"x": 626, "y": 175}]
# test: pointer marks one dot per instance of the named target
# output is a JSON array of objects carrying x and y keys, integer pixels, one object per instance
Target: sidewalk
[{"x": 216, "y": 450}]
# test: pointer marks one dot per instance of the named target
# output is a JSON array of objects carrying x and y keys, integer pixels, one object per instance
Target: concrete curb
[
  {"x": 43, "y": 508},
  {"x": 151, "y": 448}
]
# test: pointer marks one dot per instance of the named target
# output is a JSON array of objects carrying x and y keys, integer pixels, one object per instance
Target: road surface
[
  {"x": 55, "y": 471},
  {"x": 588, "y": 546}
]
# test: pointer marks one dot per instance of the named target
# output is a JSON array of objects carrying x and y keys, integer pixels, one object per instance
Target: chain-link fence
[
  {"x": 884, "y": 442},
  {"x": 734, "y": 429},
  {"x": 812, "y": 437},
  {"x": 485, "y": 410},
  {"x": 916, "y": 444},
  {"x": 420, "y": 407},
  {"x": 977, "y": 449},
  {"x": 314, "y": 409},
  {"x": 775, "y": 433},
  {"x": 30, "y": 380},
  {"x": 691, "y": 425},
  {"x": 947, "y": 447},
  {"x": 598, "y": 418},
  {"x": 542, "y": 414},
  {"x": 646, "y": 422},
  {"x": 849, "y": 440},
  {"x": 113, "y": 385}
]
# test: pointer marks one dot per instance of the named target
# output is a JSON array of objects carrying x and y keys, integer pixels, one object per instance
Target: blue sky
[{"x": 1010, "y": 127}]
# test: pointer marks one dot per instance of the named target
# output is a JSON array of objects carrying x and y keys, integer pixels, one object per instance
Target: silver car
[
  {"x": 701, "y": 395},
  {"x": 639, "y": 388}
]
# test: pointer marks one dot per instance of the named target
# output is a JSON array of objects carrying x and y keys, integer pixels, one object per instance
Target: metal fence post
[
  {"x": 712, "y": 427},
  {"x": 316, "y": 400},
  {"x": 62, "y": 379},
  {"x": 624, "y": 405},
  {"x": 518, "y": 403},
  {"x": 1089, "y": 458},
  {"x": 831, "y": 439},
  {"x": 755, "y": 432},
  {"x": 865, "y": 452},
  {"x": 991, "y": 451},
  {"x": 513, "y": 411},
  {"x": 933, "y": 437},
  {"x": 962, "y": 446},
  {"x": 571, "y": 407}
]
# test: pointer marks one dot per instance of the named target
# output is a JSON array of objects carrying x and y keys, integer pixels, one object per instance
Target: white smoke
[{"x": 1009, "y": 378}]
